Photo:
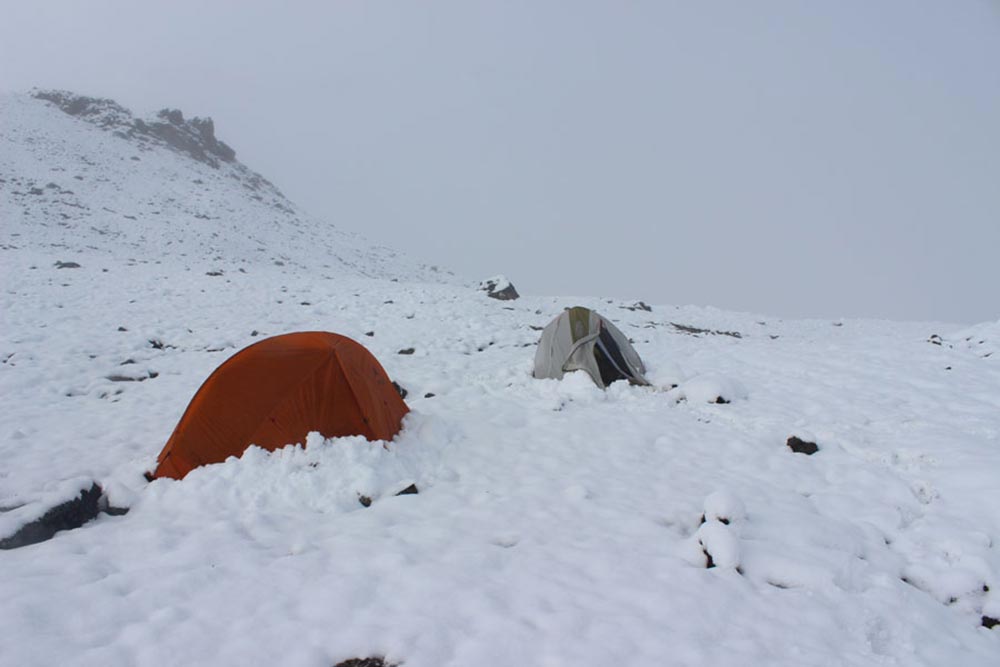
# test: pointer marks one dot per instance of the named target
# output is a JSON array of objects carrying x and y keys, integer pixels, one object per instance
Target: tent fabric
[
  {"x": 274, "y": 392},
  {"x": 581, "y": 339}
]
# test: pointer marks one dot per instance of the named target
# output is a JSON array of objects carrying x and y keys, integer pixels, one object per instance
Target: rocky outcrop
[{"x": 194, "y": 138}]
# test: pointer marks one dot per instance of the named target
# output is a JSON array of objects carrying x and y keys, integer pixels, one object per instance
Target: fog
[{"x": 836, "y": 159}]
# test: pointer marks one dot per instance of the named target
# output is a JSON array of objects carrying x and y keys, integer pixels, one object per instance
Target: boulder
[
  {"x": 498, "y": 287},
  {"x": 800, "y": 446}
]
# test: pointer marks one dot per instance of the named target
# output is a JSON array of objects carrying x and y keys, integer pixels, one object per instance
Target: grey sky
[{"x": 792, "y": 158}]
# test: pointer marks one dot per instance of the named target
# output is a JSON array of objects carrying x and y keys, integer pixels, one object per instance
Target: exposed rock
[
  {"x": 639, "y": 305},
  {"x": 800, "y": 446},
  {"x": 364, "y": 500},
  {"x": 409, "y": 491},
  {"x": 375, "y": 661},
  {"x": 195, "y": 137},
  {"x": 66, "y": 516},
  {"x": 989, "y": 622},
  {"x": 67, "y": 265},
  {"x": 407, "y": 350},
  {"x": 695, "y": 331},
  {"x": 498, "y": 287}
]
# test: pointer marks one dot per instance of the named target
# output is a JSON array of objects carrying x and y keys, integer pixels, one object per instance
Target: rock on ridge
[{"x": 194, "y": 138}]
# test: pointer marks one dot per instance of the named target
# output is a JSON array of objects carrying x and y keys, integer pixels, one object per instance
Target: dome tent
[
  {"x": 274, "y": 392},
  {"x": 580, "y": 339}
]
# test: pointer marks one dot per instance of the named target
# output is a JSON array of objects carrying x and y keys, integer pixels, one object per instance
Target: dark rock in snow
[
  {"x": 500, "y": 288},
  {"x": 407, "y": 350},
  {"x": 695, "y": 331},
  {"x": 66, "y": 516},
  {"x": 67, "y": 265},
  {"x": 800, "y": 446},
  {"x": 365, "y": 500},
  {"x": 409, "y": 491},
  {"x": 639, "y": 305},
  {"x": 989, "y": 622},
  {"x": 365, "y": 662},
  {"x": 429, "y": 395},
  {"x": 369, "y": 333}
]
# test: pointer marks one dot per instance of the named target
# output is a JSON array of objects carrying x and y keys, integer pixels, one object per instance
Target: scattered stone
[
  {"x": 67, "y": 265},
  {"x": 399, "y": 389},
  {"x": 498, "y": 287},
  {"x": 409, "y": 491},
  {"x": 800, "y": 446},
  {"x": 721, "y": 401},
  {"x": 369, "y": 333},
  {"x": 639, "y": 305},
  {"x": 122, "y": 329},
  {"x": 989, "y": 622},
  {"x": 935, "y": 339},
  {"x": 696, "y": 331},
  {"x": 407, "y": 350},
  {"x": 364, "y": 500},
  {"x": 115, "y": 377},
  {"x": 254, "y": 333},
  {"x": 214, "y": 273},
  {"x": 429, "y": 395}
]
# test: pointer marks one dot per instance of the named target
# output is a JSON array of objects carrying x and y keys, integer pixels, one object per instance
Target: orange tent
[{"x": 274, "y": 392}]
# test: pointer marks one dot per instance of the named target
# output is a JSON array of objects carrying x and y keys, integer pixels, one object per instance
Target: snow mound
[{"x": 709, "y": 388}]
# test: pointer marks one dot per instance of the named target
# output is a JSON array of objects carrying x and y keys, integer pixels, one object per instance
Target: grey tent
[{"x": 580, "y": 339}]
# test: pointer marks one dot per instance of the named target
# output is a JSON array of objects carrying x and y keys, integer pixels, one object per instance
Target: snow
[
  {"x": 497, "y": 283},
  {"x": 556, "y": 524}
]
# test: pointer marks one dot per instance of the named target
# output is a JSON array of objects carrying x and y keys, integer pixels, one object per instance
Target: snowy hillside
[
  {"x": 556, "y": 524},
  {"x": 82, "y": 176}
]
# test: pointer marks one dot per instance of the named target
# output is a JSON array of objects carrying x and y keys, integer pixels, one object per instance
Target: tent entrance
[{"x": 610, "y": 361}]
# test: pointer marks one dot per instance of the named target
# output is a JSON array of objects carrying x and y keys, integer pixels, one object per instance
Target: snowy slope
[
  {"x": 557, "y": 524},
  {"x": 83, "y": 177}
]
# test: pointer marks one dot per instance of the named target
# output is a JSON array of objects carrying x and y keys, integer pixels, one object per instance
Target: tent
[
  {"x": 273, "y": 393},
  {"x": 580, "y": 339}
]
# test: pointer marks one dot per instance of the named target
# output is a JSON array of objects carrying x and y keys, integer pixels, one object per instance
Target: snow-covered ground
[{"x": 556, "y": 524}]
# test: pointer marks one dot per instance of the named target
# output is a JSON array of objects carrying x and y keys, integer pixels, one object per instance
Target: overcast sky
[{"x": 827, "y": 159}]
